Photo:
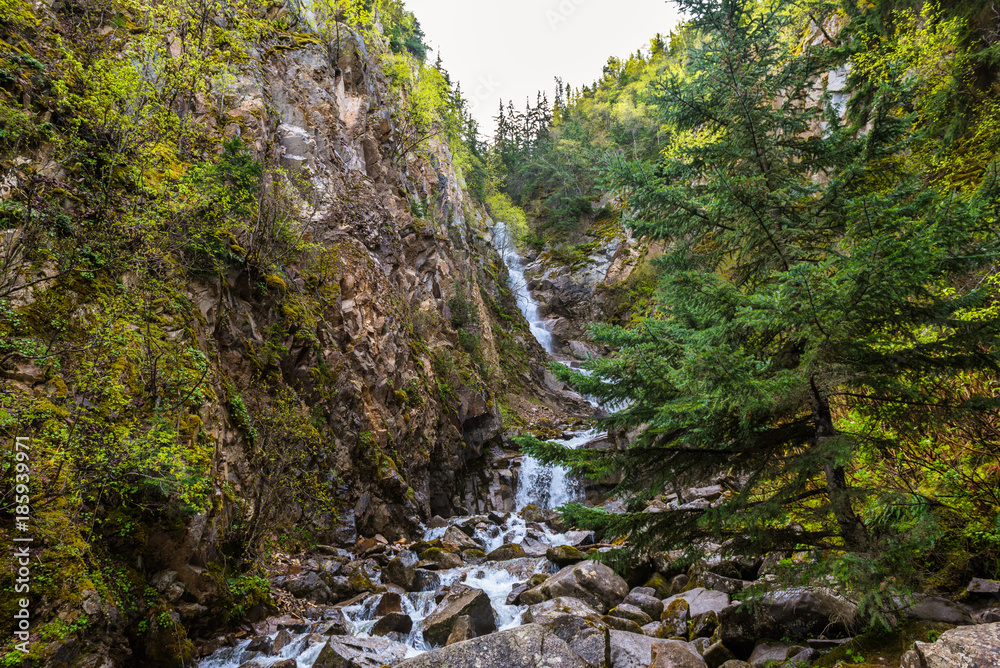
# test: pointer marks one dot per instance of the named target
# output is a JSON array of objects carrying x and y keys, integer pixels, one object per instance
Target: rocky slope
[{"x": 330, "y": 393}]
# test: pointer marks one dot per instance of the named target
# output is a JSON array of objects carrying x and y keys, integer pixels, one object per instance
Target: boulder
[
  {"x": 622, "y": 624},
  {"x": 673, "y": 654},
  {"x": 456, "y": 540},
  {"x": 388, "y": 602},
  {"x": 937, "y": 609},
  {"x": 425, "y": 580},
  {"x": 349, "y": 652},
  {"x": 529, "y": 646},
  {"x": 627, "y": 611},
  {"x": 461, "y": 631},
  {"x": 564, "y": 555},
  {"x": 701, "y": 600},
  {"x": 309, "y": 586},
  {"x": 675, "y": 617},
  {"x": 645, "y": 601},
  {"x": 660, "y": 585},
  {"x": 775, "y": 652},
  {"x": 394, "y": 622},
  {"x": 721, "y": 583},
  {"x": 462, "y": 600},
  {"x": 717, "y": 655},
  {"x": 506, "y": 553},
  {"x": 796, "y": 614},
  {"x": 981, "y": 587},
  {"x": 540, "y": 613},
  {"x": 440, "y": 557},
  {"x": 595, "y": 584},
  {"x": 704, "y": 625},
  {"x": 400, "y": 571},
  {"x": 964, "y": 647},
  {"x": 631, "y": 650}
]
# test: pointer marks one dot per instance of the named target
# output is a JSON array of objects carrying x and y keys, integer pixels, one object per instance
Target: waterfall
[{"x": 539, "y": 484}]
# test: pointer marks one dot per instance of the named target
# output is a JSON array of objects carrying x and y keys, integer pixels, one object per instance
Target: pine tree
[{"x": 810, "y": 274}]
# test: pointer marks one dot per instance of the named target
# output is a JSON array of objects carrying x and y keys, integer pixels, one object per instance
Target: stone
[
  {"x": 461, "y": 600},
  {"x": 673, "y": 654},
  {"x": 442, "y": 558},
  {"x": 593, "y": 583},
  {"x": 775, "y": 652},
  {"x": 349, "y": 652},
  {"x": 984, "y": 587},
  {"x": 648, "y": 603},
  {"x": 721, "y": 583},
  {"x": 282, "y": 640},
  {"x": 701, "y": 600},
  {"x": 515, "y": 593},
  {"x": 455, "y": 539},
  {"x": 717, "y": 655},
  {"x": 678, "y": 583},
  {"x": 400, "y": 571},
  {"x": 796, "y": 614},
  {"x": 963, "y": 647},
  {"x": 564, "y": 555},
  {"x": 309, "y": 586},
  {"x": 507, "y": 552},
  {"x": 660, "y": 586},
  {"x": 704, "y": 625},
  {"x": 627, "y": 611},
  {"x": 394, "y": 622},
  {"x": 631, "y": 650},
  {"x": 262, "y": 645},
  {"x": 937, "y": 609},
  {"x": 461, "y": 631},
  {"x": 675, "y": 617},
  {"x": 540, "y": 613},
  {"x": 735, "y": 663},
  {"x": 622, "y": 624},
  {"x": 425, "y": 580},
  {"x": 529, "y": 646},
  {"x": 387, "y": 603}
]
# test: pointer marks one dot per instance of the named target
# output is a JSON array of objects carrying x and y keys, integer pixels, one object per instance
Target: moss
[{"x": 883, "y": 648}]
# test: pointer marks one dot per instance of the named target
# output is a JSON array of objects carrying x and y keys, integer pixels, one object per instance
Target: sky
[{"x": 511, "y": 49}]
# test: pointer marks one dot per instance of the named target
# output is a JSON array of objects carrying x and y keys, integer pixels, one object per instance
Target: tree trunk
[{"x": 852, "y": 529}]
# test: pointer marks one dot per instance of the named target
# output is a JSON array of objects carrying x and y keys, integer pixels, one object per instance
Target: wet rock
[
  {"x": 394, "y": 622},
  {"x": 425, "y": 580},
  {"x": 439, "y": 557},
  {"x": 643, "y": 598},
  {"x": 593, "y": 583},
  {"x": 964, "y": 647},
  {"x": 473, "y": 556},
  {"x": 564, "y": 555},
  {"x": 673, "y": 654},
  {"x": 461, "y": 601},
  {"x": 262, "y": 645},
  {"x": 579, "y": 538},
  {"x": 775, "y": 652},
  {"x": 309, "y": 586},
  {"x": 387, "y": 603},
  {"x": 529, "y": 646},
  {"x": 349, "y": 652},
  {"x": 704, "y": 625},
  {"x": 333, "y": 624},
  {"x": 631, "y": 612},
  {"x": 506, "y": 553},
  {"x": 400, "y": 571},
  {"x": 797, "y": 614},
  {"x": 456, "y": 540},
  {"x": 461, "y": 631},
  {"x": 515, "y": 593}
]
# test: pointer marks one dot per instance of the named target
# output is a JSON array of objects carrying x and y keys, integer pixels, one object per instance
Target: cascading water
[{"x": 538, "y": 484}]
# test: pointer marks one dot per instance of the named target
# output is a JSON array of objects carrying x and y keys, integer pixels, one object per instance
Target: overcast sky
[{"x": 512, "y": 48}]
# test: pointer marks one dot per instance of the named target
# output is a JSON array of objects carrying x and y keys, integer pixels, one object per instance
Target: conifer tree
[{"x": 809, "y": 274}]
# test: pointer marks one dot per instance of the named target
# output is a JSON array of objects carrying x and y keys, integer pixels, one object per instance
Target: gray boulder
[
  {"x": 462, "y": 600},
  {"x": 631, "y": 650},
  {"x": 540, "y": 613},
  {"x": 631, "y": 612},
  {"x": 595, "y": 584},
  {"x": 646, "y": 602},
  {"x": 937, "y": 609},
  {"x": 775, "y": 652},
  {"x": 964, "y": 647},
  {"x": 797, "y": 614},
  {"x": 506, "y": 553},
  {"x": 401, "y": 571},
  {"x": 673, "y": 654},
  {"x": 701, "y": 600},
  {"x": 394, "y": 622},
  {"x": 348, "y": 652},
  {"x": 529, "y": 646},
  {"x": 309, "y": 586}
]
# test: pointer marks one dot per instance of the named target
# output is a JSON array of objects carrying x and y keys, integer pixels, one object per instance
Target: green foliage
[{"x": 815, "y": 335}]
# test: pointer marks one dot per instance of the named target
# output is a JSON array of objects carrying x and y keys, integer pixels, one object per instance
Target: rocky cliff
[{"x": 213, "y": 365}]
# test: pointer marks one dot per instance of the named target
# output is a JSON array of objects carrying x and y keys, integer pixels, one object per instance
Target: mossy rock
[
  {"x": 883, "y": 648},
  {"x": 564, "y": 555},
  {"x": 167, "y": 644},
  {"x": 659, "y": 584}
]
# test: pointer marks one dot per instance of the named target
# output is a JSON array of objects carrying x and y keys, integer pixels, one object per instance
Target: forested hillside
[{"x": 820, "y": 180}]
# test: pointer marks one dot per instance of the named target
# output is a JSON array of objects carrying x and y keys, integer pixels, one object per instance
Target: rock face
[
  {"x": 966, "y": 647},
  {"x": 530, "y": 646},
  {"x": 595, "y": 584},
  {"x": 460, "y": 601}
]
